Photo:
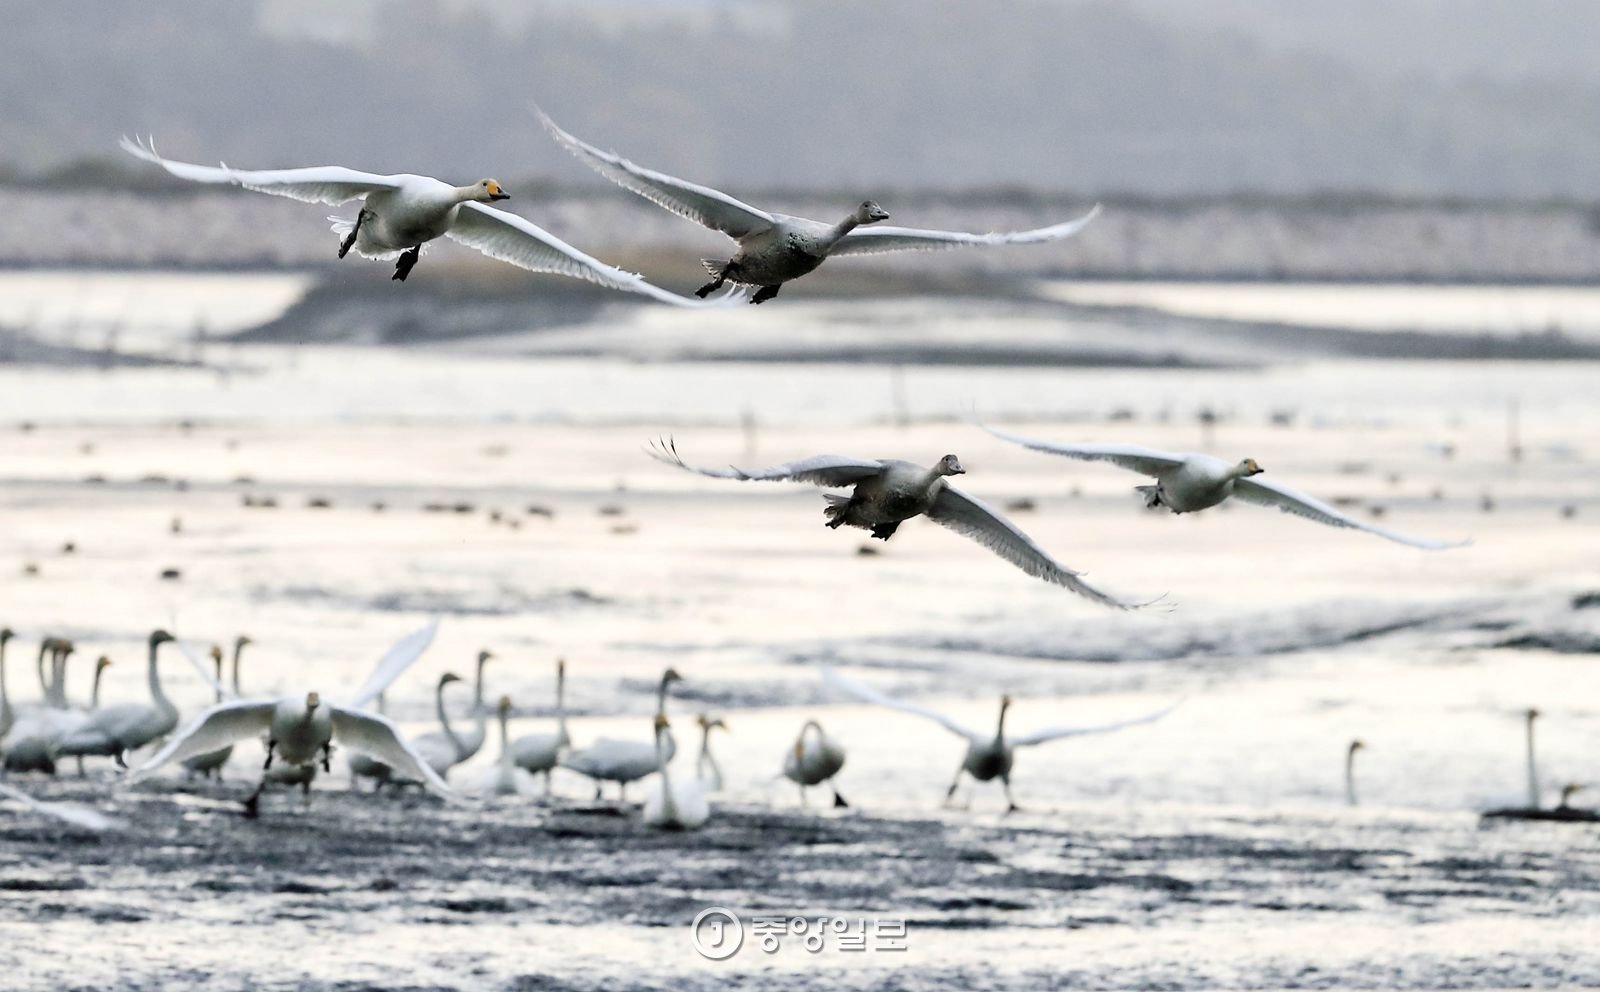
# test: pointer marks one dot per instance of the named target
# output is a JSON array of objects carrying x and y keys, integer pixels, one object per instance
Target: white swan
[
  {"x": 1350, "y": 771},
  {"x": 116, "y": 730},
  {"x": 609, "y": 759},
  {"x": 775, "y": 248},
  {"x": 210, "y": 764},
  {"x": 30, "y": 745},
  {"x": 400, "y": 213},
  {"x": 706, "y": 768},
  {"x": 1187, "y": 482},
  {"x": 539, "y": 753},
  {"x": 989, "y": 755},
  {"x": 505, "y": 778},
  {"x": 673, "y": 804},
  {"x": 463, "y": 745},
  {"x": 814, "y": 759},
  {"x": 300, "y": 731},
  {"x": 886, "y": 493},
  {"x": 71, "y": 814}
]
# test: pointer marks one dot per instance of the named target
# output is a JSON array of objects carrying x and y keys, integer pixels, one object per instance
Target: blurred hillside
[{"x": 1148, "y": 97}]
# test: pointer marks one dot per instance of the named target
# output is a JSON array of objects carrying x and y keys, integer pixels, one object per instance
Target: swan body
[
  {"x": 1187, "y": 483},
  {"x": 989, "y": 755},
  {"x": 775, "y": 248},
  {"x": 36, "y": 732},
  {"x": 815, "y": 758},
  {"x": 706, "y": 768},
  {"x": 539, "y": 753},
  {"x": 610, "y": 759},
  {"x": 505, "y": 778},
  {"x": 886, "y": 493},
  {"x": 115, "y": 730},
  {"x": 673, "y": 804},
  {"x": 401, "y": 213}
]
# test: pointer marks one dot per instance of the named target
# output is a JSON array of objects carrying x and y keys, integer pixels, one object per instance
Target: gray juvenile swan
[
  {"x": 814, "y": 759},
  {"x": 887, "y": 493},
  {"x": 401, "y": 213},
  {"x": 775, "y": 248},
  {"x": 1187, "y": 482}
]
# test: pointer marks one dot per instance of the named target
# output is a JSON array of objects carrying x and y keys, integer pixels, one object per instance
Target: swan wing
[
  {"x": 510, "y": 238},
  {"x": 320, "y": 184},
  {"x": 394, "y": 663},
  {"x": 975, "y": 519},
  {"x": 1263, "y": 493},
  {"x": 867, "y": 693},
  {"x": 69, "y": 813},
  {"x": 821, "y": 470},
  {"x": 876, "y": 240},
  {"x": 701, "y": 204},
  {"x": 374, "y": 735},
  {"x": 221, "y": 725},
  {"x": 201, "y": 667},
  {"x": 1134, "y": 457},
  {"x": 1056, "y": 733}
]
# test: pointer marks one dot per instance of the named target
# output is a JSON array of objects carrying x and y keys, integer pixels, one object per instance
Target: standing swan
[
  {"x": 814, "y": 760},
  {"x": 1535, "y": 810},
  {"x": 673, "y": 804},
  {"x": 505, "y": 778},
  {"x": 775, "y": 248},
  {"x": 1186, "y": 483},
  {"x": 706, "y": 768},
  {"x": 466, "y": 745},
  {"x": 622, "y": 761},
  {"x": 439, "y": 749},
  {"x": 210, "y": 764},
  {"x": 988, "y": 756},
  {"x": 400, "y": 213},
  {"x": 540, "y": 752},
  {"x": 116, "y": 730},
  {"x": 886, "y": 493},
  {"x": 1350, "y": 771}
]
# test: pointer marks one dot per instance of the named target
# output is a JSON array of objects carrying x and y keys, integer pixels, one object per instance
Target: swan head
[
  {"x": 447, "y": 678},
  {"x": 661, "y": 723},
  {"x": 670, "y": 676},
  {"x": 1357, "y": 745},
  {"x": 484, "y": 656},
  {"x": 870, "y": 213},
  {"x": 6, "y": 634},
  {"x": 216, "y": 653},
  {"x": 707, "y": 722},
  {"x": 489, "y": 190},
  {"x": 1532, "y": 714},
  {"x": 950, "y": 465},
  {"x": 561, "y": 668},
  {"x": 1567, "y": 792},
  {"x": 505, "y": 706},
  {"x": 1005, "y": 703},
  {"x": 1249, "y": 467},
  {"x": 160, "y": 637},
  {"x": 312, "y": 701},
  {"x": 241, "y": 641},
  {"x": 101, "y": 664}
]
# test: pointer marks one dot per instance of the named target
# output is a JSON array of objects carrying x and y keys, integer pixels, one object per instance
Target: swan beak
[
  {"x": 499, "y": 194},
  {"x": 313, "y": 700}
]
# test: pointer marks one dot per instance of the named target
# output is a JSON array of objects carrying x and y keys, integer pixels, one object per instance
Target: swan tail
[
  {"x": 1151, "y": 494},
  {"x": 714, "y": 266},
  {"x": 342, "y": 225},
  {"x": 836, "y": 509}
]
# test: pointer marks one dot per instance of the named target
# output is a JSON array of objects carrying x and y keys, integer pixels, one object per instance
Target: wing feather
[
  {"x": 374, "y": 735},
  {"x": 1056, "y": 733},
  {"x": 878, "y": 239},
  {"x": 319, "y": 184},
  {"x": 1263, "y": 493},
  {"x": 221, "y": 725},
  {"x": 701, "y": 204},
  {"x": 393, "y": 664},
  {"x": 868, "y": 694},
  {"x": 1134, "y": 457},
  {"x": 69, "y": 813},
  {"x": 820, "y": 470}
]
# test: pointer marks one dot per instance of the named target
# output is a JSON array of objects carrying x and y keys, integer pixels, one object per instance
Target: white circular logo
[{"x": 716, "y": 933}]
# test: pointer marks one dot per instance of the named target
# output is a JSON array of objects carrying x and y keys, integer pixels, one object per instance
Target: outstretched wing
[
  {"x": 701, "y": 204},
  {"x": 876, "y": 240},
  {"x": 1136, "y": 458},
  {"x": 374, "y": 735},
  {"x": 221, "y": 725},
  {"x": 868, "y": 694},
  {"x": 977, "y": 520},
  {"x": 319, "y": 184},
  {"x": 201, "y": 667},
  {"x": 821, "y": 470},
  {"x": 1055, "y": 733},
  {"x": 394, "y": 663},
  {"x": 1263, "y": 493},
  {"x": 69, "y": 813},
  {"x": 510, "y": 238}
]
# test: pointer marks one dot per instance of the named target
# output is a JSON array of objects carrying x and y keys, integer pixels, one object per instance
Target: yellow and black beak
[{"x": 497, "y": 192}]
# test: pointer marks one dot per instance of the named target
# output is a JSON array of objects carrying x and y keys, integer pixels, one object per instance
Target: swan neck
[
  {"x": 159, "y": 697},
  {"x": 669, "y": 809},
  {"x": 1350, "y": 776},
  {"x": 444, "y": 719},
  {"x": 94, "y": 691},
  {"x": 6, "y": 715},
  {"x": 844, "y": 227},
  {"x": 561, "y": 708},
  {"x": 1000, "y": 726},
  {"x": 505, "y": 742},
  {"x": 238, "y": 649},
  {"x": 1533, "y": 771}
]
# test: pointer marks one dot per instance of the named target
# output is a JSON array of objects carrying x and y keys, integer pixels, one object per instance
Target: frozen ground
[{"x": 1210, "y": 849}]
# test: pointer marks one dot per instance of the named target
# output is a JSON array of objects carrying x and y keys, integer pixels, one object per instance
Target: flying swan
[
  {"x": 887, "y": 493},
  {"x": 1189, "y": 482},
  {"x": 775, "y": 248},
  {"x": 401, "y": 213}
]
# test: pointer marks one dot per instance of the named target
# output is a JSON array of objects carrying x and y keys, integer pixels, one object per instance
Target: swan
[
  {"x": 989, "y": 756},
  {"x": 1535, "y": 810},
  {"x": 673, "y": 804},
  {"x": 886, "y": 493},
  {"x": 400, "y": 213},
  {"x": 71, "y": 814},
  {"x": 440, "y": 750},
  {"x": 813, "y": 760},
  {"x": 1350, "y": 771},
  {"x": 775, "y": 248},
  {"x": 540, "y": 752},
  {"x": 115, "y": 730},
  {"x": 210, "y": 764},
  {"x": 505, "y": 778},
  {"x": 706, "y": 768},
  {"x": 300, "y": 731},
  {"x": 463, "y": 745},
  {"x": 30, "y": 746},
  {"x": 1187, "y": 482},
  {"x": 609, "y": 759}
]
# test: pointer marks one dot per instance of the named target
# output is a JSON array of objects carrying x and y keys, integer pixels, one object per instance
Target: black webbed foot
[
  {"x": 885, "y": 531},
  {"x": 764, "y": 294},
  {"x": 408, "y": 261}
]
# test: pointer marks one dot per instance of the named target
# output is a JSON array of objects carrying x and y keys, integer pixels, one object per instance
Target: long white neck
[
  {"x": 505, "y": 745},
  {"x": 844, "y": 227},
  {"x": 465, "y": 194},
  {"x": 1533, "y": 771},
  {"x": 219, "y": 680},
  {"x": 669, "y": 808},
  {"x": 561, "y": 708},
  {"x": 94, "y": 692},
  {"x": 238, "y": 649},
  {"x": 661, "y": 697},
  {"x": 44, "y": 681},
  {"x": 444, "y": 719},
  {"x": 156, "y": 695},
  {"x": 1000, "y": 728},
  {"x": 7, "y": 717},
  {"x": 1350, "y": 776}
]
